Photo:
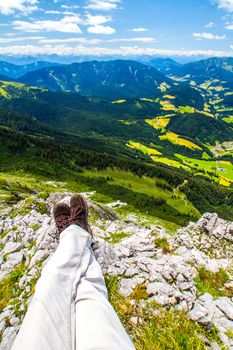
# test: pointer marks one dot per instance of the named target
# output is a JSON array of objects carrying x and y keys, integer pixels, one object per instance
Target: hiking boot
[
  {"x": 79, "y": 212},
  {"x": 61, "y": 213}
]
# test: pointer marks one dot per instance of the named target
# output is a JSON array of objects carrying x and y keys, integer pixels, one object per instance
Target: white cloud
[
  {"x": 8, "y": 7},
  {"x": 67, "y": 24},
  {"x": 57, "y": 12},
  {"x": 100, "y": 29},
  {"x": 140, "y": 29},
  {"x": 71, "y": 40},
  {"x": 96, "y": 20},
  {"x": 229, "y": 26},
  {"x": 18, "y": 39},
  {"x": 225, "y": 4},
  {"x": 74, "y": 7},
  {"x": 126, "y": 51},
  {"x": 102, "y": 5},
  {"x": 209, "y": 25},
  {"x": 69, "y": 13},
  {"x": 209, "y": 36},
  {"x": 53, "y": 12},
  {"x": 95, "y": 41},
  {"x": 142, "y": 40},
  {"x": 70, "y": 23},
  {"x": 96, "y": 26}
]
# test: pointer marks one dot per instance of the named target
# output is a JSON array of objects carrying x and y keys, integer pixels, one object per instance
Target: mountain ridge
[
  {"x": 113, "y": 79},
  {"x": 214, "y": 68},
  {"x": 14, "y": 71}
]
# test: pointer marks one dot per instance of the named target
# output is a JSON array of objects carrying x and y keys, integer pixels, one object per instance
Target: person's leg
[
  {"x": 97, "y": 324},
  {"x": 72, "y": 289},
  {"x": 50, "y": 321}
]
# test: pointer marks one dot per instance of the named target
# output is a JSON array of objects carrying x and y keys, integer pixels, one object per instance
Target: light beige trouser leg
[{"x": 70, "y": 308}]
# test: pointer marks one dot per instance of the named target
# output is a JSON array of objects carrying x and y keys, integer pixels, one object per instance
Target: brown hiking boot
[
  {"x": 79, "y": 212},
  {"x": 61, "y": 213}
]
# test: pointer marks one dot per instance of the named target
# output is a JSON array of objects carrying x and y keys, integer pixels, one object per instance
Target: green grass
[
  {"x": 139, "y": 292},
  {"x": 170, "y": 162},
  {"x": 141, "y": 193},
  {"x": 162, "y": 243},
  {"x": 19, "y": 184},
  {"x": 170, "y": 330},
  {"x": 210, "y": 166},
  {"x": 35, "y": 227},
  {"x": 122, "y": 305},
  {"x": 147, "y": 186},
  {"x": 4, "y": 233},
  {"x": 30, "y": 203},
  {"x": 147, "y": 220},
  {"x": 228, "y": 119},
  {"x": 8, "y": 286},
  {"x": 117, "y": 237},
  {"x": 10, "y": 89},
  {"x": 186, "y": 109},
  {"x": 162, "y": 330},
  {"x": 212, "y": 283}
]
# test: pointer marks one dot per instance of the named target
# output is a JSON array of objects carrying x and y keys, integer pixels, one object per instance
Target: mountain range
[
  {"x": 212, "y": 68},
  {"x": 113, "y": 79},
  {"x": 15, "y": 71}
]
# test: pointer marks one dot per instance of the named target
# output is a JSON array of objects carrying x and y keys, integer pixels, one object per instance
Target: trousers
[{"x": 70, "y": 308}]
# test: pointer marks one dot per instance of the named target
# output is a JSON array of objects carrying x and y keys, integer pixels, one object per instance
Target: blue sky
[{"x": 110, "y": 27}]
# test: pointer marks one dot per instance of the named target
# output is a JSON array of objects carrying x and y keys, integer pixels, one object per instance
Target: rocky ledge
[{"x": 167, "y": 268}]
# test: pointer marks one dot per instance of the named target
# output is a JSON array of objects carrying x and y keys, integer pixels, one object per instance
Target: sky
[{"x": 117, "y": 27}]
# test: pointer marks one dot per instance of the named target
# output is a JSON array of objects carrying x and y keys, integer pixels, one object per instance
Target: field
[
  {"x": 223, "y": 170},
  {"x": 228, "y": 119},
  {"x": 170, "y": 162},
  {"x": 219, "y": 171},
  {"x": 159, "y": 122},
  {"x": 146, "y": 150},
  {"x": 167, "y": 106},
  {"x": 176, "y": 139}
]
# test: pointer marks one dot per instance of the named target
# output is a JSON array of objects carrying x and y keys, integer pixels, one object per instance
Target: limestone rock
[{"x": 168, "y": 279}]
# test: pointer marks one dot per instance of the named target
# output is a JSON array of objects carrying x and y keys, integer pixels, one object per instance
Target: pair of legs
[{"x": 70, "y": 309}]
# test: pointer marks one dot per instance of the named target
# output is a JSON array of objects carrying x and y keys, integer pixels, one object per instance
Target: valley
[
  {"x": 166, "y": 129},
  {"x": 183, "y": 125}
]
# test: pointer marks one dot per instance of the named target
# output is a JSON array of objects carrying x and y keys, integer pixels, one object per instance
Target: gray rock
[
  {"x": 12, "y": 247},
  {"x": 127, "y": 286},
  {"x": 226, "y": 306},
  {"x": 14, "y": 321},
  {"x": 214, "y": 346},
  {"x": 9, "y": 337},
  {"x": 199, "y": 313}
]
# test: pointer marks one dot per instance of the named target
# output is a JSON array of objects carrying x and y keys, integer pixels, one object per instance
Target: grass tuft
[
  {"x": 117, "y": 237},
  {"x": 162, "y": 243},
  {"x": 212, "y": 283},
  {"x": 139, "y": 292},
  {"x": 9, "y": 286}
]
